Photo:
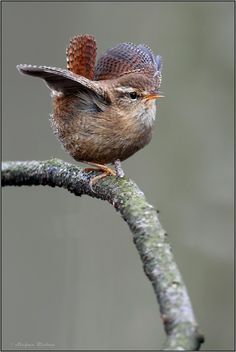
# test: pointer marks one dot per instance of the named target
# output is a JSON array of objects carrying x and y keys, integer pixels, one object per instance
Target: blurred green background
[{"x": 72, "y": 278}]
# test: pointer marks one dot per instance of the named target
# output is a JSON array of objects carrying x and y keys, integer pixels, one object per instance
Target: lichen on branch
[{"x": 148, "y": 235}]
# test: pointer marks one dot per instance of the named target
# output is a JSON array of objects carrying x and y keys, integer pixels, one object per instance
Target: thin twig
[{"x": 148, "y": 235}]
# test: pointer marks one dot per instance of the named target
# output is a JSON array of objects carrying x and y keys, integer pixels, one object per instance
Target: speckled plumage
[
  {"x": 94, "y": 115},
  {"x": 126, "y": 58}
]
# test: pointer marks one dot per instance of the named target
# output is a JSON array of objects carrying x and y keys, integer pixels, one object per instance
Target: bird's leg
[
  {"x": 118, "y": 168},
  {"x": 106, "y": 172}
]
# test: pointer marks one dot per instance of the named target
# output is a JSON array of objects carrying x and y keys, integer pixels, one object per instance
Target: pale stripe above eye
[{"x": 124, "y": 89}]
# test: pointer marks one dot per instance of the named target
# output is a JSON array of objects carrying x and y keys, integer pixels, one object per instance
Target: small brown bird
[{"x": 103, "y": 113}]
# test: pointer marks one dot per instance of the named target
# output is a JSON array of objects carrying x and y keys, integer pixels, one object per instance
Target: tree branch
[{"x": 148, "y": 235}]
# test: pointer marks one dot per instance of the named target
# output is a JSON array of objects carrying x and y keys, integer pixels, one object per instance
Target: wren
[{"x": 103, "y": 112}]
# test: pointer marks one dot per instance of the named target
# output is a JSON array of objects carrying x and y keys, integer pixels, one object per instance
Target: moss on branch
[{"x": 149, "y": 237}]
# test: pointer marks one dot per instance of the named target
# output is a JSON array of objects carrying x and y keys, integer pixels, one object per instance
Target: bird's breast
[
  {"x": 103, "y": 136},
  {"x": 147, "y": 115}
]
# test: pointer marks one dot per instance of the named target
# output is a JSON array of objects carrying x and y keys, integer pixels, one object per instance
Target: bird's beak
[{"x": 153, "y": 95}]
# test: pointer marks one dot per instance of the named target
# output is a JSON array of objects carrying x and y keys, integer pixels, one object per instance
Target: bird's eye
[{"x": 133, "y": 95}]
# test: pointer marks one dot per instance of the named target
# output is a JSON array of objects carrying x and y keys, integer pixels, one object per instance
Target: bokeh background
[{"x": 72, "y": 278}]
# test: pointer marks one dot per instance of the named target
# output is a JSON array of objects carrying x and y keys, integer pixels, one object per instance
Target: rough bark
[{"x": 148, "y": 235}]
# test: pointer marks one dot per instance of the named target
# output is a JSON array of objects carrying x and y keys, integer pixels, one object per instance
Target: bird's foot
[{"x": 106, "y": 171}]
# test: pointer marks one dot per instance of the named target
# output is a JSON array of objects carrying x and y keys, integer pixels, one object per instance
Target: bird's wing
[
  {"x": 60, "y": 80},
  {"x": 126, "y": 58}
]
